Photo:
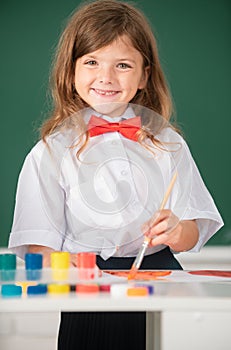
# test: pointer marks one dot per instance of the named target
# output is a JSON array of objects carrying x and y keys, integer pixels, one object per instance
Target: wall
[{"x": 195, "y": 51}]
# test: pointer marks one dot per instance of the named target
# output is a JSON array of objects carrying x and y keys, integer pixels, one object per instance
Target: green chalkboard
[{"x": 195, "y": 50}]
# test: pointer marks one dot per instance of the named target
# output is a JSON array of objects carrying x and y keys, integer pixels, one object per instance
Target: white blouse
[{"x": 99, "y": 202}]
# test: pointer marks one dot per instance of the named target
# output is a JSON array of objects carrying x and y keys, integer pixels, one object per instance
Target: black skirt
[{"x": 111, "y": 330}]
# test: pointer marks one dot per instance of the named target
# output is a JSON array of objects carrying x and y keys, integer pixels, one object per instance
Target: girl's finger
[
  {"x": 158, "y": 216},
  {"x": 159, "y": 228},
  {"x": 160, "y": 239}
]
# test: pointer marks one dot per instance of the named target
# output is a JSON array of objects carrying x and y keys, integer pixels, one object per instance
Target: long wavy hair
[{"x": 92, "y": 26}]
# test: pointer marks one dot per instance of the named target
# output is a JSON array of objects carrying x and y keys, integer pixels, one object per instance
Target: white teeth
[{"x": 105, "y": 93}]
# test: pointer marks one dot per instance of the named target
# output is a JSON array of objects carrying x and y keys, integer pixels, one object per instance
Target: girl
[{"x": 108, "y": 152}]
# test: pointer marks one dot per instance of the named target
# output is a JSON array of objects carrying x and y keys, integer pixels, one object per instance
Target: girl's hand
[
  {"x": 166, "y": 228},
  {"x": 46, "y": 252},
  {"x": 73, "y": 259},
  {"x": 163, "y": 228}
]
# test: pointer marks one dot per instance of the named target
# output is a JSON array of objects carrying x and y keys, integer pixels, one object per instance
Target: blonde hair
[{"x": 95, "y": 25}]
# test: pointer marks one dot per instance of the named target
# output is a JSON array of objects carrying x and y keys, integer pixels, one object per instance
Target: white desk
[{"x": 181, "y": 315}]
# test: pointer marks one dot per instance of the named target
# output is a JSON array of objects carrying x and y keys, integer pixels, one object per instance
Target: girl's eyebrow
[
  {"x": 95, "y": 57},
  {"x": 87, "y": 56},
  {"x": 125, "y": 59}
]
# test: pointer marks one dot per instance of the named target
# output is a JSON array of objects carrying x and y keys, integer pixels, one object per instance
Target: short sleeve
[
  {"x": 39, "y": 210},
  {"x": 201, "y": 206},
  {"x": 190, "y": 198}
]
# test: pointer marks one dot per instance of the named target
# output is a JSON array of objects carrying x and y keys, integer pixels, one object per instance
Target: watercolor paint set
[{"x": 62, "y": 277}]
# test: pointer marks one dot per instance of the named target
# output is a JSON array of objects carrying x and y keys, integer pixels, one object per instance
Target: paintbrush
[{"x": 138, "y": 260}]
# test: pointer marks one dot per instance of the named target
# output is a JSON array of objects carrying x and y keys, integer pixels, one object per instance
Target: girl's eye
[
  {"x": 124, "y": 65},
  {"x": 91, "y": 63}
]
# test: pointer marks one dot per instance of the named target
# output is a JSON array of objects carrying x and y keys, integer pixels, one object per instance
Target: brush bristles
[{"x": 132, "y": 273}]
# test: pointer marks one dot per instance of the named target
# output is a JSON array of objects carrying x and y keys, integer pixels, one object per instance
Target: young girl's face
[{"x": 111, "y": 75}]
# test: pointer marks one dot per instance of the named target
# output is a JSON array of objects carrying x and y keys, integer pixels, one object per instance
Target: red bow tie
[{"x": 128, "y": 128}]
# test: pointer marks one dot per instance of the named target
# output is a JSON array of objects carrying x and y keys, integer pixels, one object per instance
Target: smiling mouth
[{"x": 105, "y": 92}]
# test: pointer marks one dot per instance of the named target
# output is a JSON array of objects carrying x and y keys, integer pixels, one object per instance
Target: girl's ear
[{"x": 144, "y": 78}]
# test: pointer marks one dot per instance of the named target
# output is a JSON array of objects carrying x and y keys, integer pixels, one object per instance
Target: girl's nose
[{"x": 106, "y": 75}]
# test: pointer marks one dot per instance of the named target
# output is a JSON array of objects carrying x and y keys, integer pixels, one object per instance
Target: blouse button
[{"x": 123, "y": 172}]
